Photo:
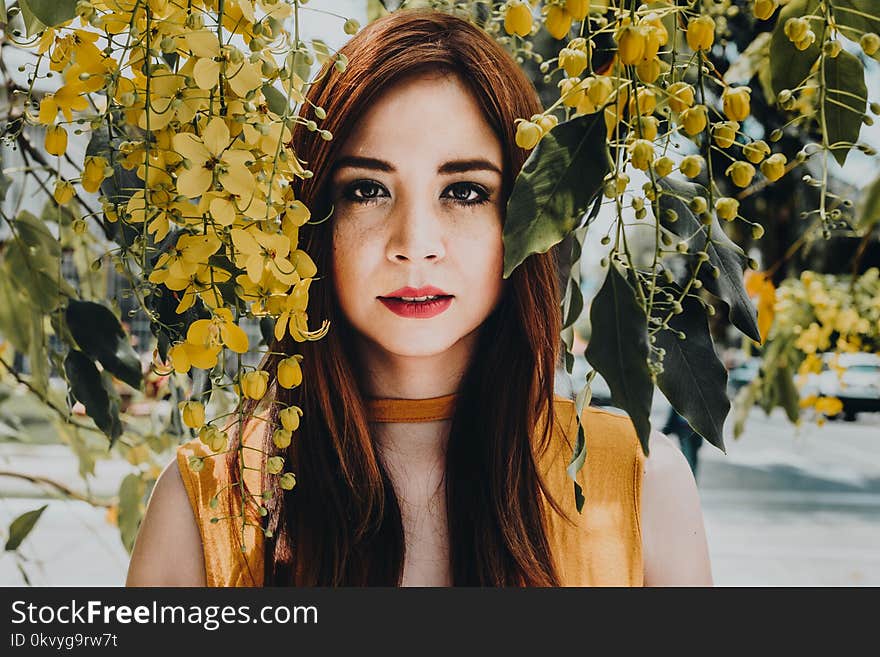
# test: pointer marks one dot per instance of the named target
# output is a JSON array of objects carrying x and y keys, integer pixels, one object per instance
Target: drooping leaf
[
  {"x": 51, "y": 12},
  {"x": 723, "y": 253},
  {"x": 846, "y": 98},
  {"x": 554, "y": 188},
  {"x": 618, "y": 350},
  {"x": 14, "y": 324},
  {"x": 275, "y": 100},
  {"x": 869, "y": 206},
  {"x": 32, "y": 24},
  {"x": 94, "y": 392},
  {"x": 855, "y": 17},
  {"x": 131, "y": 495},
  {"x": 5, "y": 181},
  {"x": 22, "y": 526},
  {"x": 693, "y": 379},
  {"x": 789, "y": 66},
  {"x": 101, "y": 337}
]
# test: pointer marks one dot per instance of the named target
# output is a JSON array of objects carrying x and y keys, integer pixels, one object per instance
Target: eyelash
[{"x": 482, "y": 193}]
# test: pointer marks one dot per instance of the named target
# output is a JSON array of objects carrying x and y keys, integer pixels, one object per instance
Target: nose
[{"x": 415, "y": 234}]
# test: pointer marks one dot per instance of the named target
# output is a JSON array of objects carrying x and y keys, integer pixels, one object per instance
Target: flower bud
[
  {"x": 870, "y": 43},
  {"x": 573, "y": 61},
  {"x": 289, "y": 417},
  {"x": 796, "y": 28},
  {"x": 724, "y": 133},
  {"x": 764, "y": 9},
  {"x": 756, "y": 151},
  {"x": 736, "y": 103},
  {"x": 518, "y": 18},
  {"x": 701, "y": 33},
  {"x": 192, "y": 413},
  {"x": 56, "y": 140},
  {"x": 691, "y": 166},
  {"x": 663, "y": 166},
  {"x": 693, "y": 119},
  {"x": 274, "y": 464},
  {"x": 290, "y": 372},
  {"x": 528, "y": 134},
  {"x": 577, "y": 9},
  {"x": 631, "y": 45},
  {"x": 773, "y": 167},
  {"x": 254, "y": 384},
  {"x": 351, "y": 26},
  {"x": 281, "y": 438},
  {"x": 599, "y": 90},
  {"x": 287, "y": 481},
  {"x": 681, "y": 96},
  {"x": 741, "y": 173},
  {"x": 727, "y": 208},
  {"x": 642, "y": 154},
  {"x": 557, "y": 21},
  {"x": 63, "y": 191}
]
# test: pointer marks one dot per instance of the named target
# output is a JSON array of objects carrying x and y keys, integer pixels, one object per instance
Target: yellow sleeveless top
[{"x": 602, "y": 548}]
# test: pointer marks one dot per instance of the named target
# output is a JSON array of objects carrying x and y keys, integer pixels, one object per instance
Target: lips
[{"x": 417, "y": 303}]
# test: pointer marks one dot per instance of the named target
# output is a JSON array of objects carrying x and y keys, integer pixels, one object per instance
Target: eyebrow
[{"x": 453, "y": 166}]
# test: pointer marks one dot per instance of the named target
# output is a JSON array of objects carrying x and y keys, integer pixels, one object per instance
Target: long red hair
[{"x": 341, "y": 524}]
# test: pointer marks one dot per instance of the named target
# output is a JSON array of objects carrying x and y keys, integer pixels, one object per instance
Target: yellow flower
[
  {"x": 663, "y": 166},
  {"x": 63, "y": 191},
  {"x": 256, "y": 250},
  {"x": 274, "y": 464},
  {"x": 691, "y": 166},
  {"x": 641, "y": 154},
  {"x": 735, "y": 102},
  {"x": 694, "y": 119},
  {"x": 764, "y": 9},
  {"x": 574, "y": 61},
  {"x": 572, "y": 91},
  {"x": 56, "y": 140},
  {"x": 701, "y": 33},
  {"x": 599, "y": 90},
  {"x": 758, "y": 285},
  {"x": 209, "y": 153},
  {"x": 528, "y": 134},
  {"x": 727, "y": 208},
  {"x": 205, "y": 339},
  {"x": 254, "y": 385},
  {"x": 741, "y": 173},
  {"x": 828, "y": 406},
  {"x": 773, "y": 167},
  {"x": 756, "y": 151},
  {"x": 724, "y": 133},
  {"x": 577, "y": 8},
  {"x": 281, "y": 438},
  {"x": 518, "y": 18},
  {"x": 290, "y": 372},
  {"x": 258, "y": 294},
  {"x": 289, "y": 417},
  {"x": 631, "y": 45},
  {"x": 287, "y": 481},
  {"x": 557, "y": 21},
  {"x": 193, "y": 413},
  {"x": 93, "y": 175},
  {"x": 814, "y": 338},
  {"x": 184, "y": 260}
]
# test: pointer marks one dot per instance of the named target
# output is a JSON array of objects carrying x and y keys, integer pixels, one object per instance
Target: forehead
[{"x": 430, "y": 116}]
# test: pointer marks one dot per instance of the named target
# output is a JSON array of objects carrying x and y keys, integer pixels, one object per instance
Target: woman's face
[{"x": 416, "y": 190}]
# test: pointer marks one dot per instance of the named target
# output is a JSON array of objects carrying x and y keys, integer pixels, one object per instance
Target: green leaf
[
  {"x": 51, "y": 12},
  {"x": 321, "y": 50},
  {"x": 855, "y": 17},
  {"x": 5, "y": 181},
  {"x": 869, "y": 206},
  {"x": 846, "y": 98},
  {"x": 276, "y": 100},
  {"x": 15, "y": 325},
  {"x": 723, "y": 253},
  {"x": 94, "y": 392},
  {"x": 38, "y": 352},
  {"x": 554, "y": 188},
  {"x": 131, "y": 496},
  {"x": 22, "y": 526},
  {"x": 101, "y": 337},
  {"x": 693, "y": 378},
  {"x": 572, "y": 303},
  {"x": 618, "y": 349},
  {"x": 789, "y": 67},
  {"x": 32, "y": 24}
]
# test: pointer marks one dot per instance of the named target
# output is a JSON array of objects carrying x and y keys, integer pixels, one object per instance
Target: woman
[{"x": 433, "y": 449}]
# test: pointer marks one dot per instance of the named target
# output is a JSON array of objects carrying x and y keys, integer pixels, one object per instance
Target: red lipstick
[{"x": 417, "y": 303}]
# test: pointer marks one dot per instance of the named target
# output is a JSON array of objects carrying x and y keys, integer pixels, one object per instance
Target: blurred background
[{"x": 789, "y": 504}]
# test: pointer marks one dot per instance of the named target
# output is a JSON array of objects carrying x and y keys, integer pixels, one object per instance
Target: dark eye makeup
[{"x": 367, "y": 192}]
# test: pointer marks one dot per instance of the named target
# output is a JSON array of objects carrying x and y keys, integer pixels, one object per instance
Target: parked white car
[{"x": 857, "y": 386}]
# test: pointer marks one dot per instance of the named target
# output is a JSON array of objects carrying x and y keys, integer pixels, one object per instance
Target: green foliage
[
  {"x": 705, "y": 234},
  {"x": 95, "y": 391},
  {"x": 555, "y": 187},
  {"x": 693, "y": 378},
  {"x": 101, "y": 337},
  {"x": 789, "y": 67},
  {"x": 131, "y": 508},
  {"x": 618, "y": 349},
  {"x": 846, "y": 98},
  {"x": 869, "y": 207},
  {"x": 21, "y": 527},
  {"x": 50, "y": 12}
]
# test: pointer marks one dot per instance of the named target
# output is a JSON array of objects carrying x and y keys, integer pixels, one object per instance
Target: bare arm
[
  {"x": 168, "y": 549},
  {"x": 673, "y": 536}
]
